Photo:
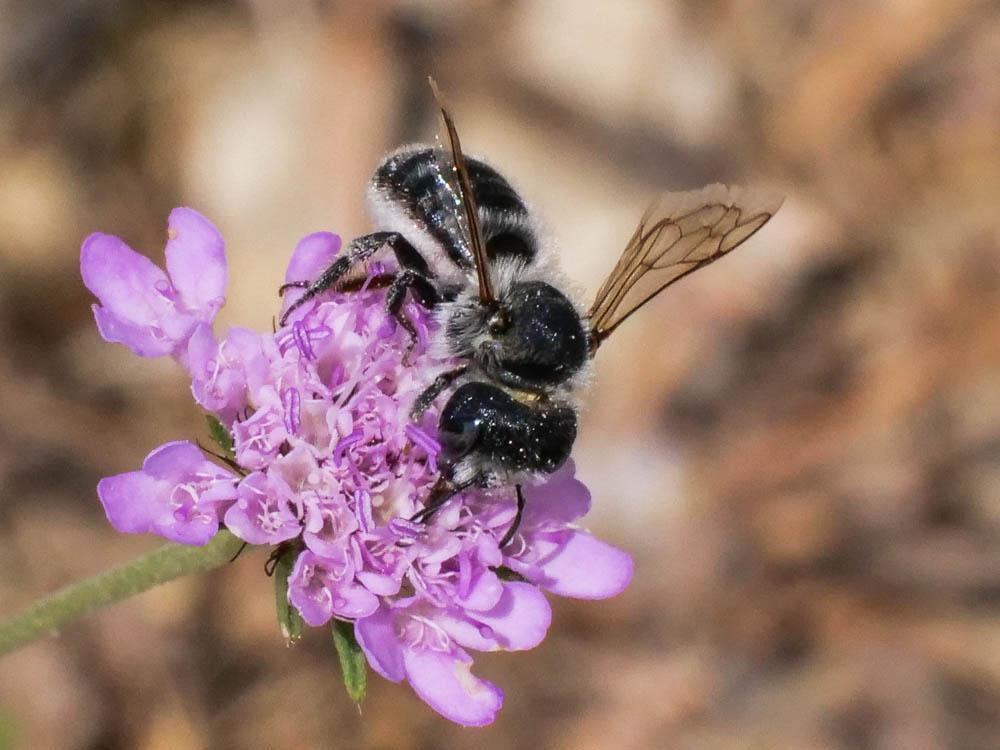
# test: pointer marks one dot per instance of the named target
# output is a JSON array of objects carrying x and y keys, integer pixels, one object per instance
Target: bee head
[{"x": 532, "y": 336}]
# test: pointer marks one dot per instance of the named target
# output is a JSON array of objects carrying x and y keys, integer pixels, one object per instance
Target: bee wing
[
  {"x": 678, "y": 234},
  {"x": 455, "y": 173}
]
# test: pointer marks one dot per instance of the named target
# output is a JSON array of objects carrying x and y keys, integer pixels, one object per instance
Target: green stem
[{"x": 165, "y": 564}]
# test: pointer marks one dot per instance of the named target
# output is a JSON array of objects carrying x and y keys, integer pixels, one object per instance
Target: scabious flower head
[{"x": 327, "y": 462}]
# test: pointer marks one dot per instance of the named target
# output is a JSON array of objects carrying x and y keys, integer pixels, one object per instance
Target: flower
[
  {"x": 140, "y": 306},
  {"x": 178, "y": 494},
  {"x": 327, "y": 462}
]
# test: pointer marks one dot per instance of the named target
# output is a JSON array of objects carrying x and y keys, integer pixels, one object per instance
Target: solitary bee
[{"x": 468, "y": 247}]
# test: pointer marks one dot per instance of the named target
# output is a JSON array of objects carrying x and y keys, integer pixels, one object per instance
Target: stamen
[
  {"x": 338, "y": 452},
  {"x": 302, "y": 340},
  {"x": 290, "y": 400},
  {"x": 405, "y": 528},
  {"x": 363, "y": 511}
]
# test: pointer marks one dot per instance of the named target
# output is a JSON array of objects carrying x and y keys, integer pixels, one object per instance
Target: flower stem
[{"x": 164, "y": 564}]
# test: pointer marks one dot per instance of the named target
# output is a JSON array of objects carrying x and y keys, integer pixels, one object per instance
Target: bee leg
[
  {"x": 517, "y": 518},
  {"x": 431, "y": 392},
  {"x": 326, "y": 280},
  {"x": 443, "y": 491},
  {"x": 359, "y": 252},
  {"x": 423, "y": 290}
]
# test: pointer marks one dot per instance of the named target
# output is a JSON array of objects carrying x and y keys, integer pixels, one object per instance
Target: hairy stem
[{"x": 165, "y": 564}]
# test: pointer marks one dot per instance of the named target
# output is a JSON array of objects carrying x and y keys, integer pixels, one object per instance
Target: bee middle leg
[
  {"x": 435, "y": 389},
  {"x": 443, "y": 491},
  {"x": 359, "y": 252}
]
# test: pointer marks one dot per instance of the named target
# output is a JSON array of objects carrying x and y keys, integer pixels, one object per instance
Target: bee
[{"x": 470, "y": 249}]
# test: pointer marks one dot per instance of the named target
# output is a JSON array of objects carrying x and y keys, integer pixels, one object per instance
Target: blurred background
[{"x": 800, "y": 445}]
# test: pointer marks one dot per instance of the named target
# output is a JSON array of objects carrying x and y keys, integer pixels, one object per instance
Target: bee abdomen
[{"x": 410, "y": 179}]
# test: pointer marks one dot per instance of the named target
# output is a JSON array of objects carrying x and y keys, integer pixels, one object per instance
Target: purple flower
[
  {"x": 332, "y": 468},
  {"x": 426, "y": 646},
  {"x": 178, "y": 495},
  {"x": 324, "y": 587},
  {"x": 140, "y": 306}
]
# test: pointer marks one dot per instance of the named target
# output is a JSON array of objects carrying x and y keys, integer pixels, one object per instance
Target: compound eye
[{"x": 498, "y": 322}]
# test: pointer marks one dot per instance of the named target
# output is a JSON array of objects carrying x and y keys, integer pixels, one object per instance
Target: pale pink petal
[
  {"x": 466, "y": 632},
  {"x": 484, "y": 593},
  {"x": 176, "y": 461},
  {"x": 134, "y": 502},
  {"x": 137, "y": 301},
  {"x": 584, "y": 567},
  {"x": 127, "y": 283},
  {"x": 353, "y": 601},
  {"x": 196, "y": 261},
  {"x": 141, "y": 339},
  {"x": 446, "y": 683},
  {"x": 196, "y": 529},
  {"x": 312, "y": 256},
  {"x": 377, "y": 637},
  {"x": 561, "y": 497},
  {"x": 520, "y": 619}
]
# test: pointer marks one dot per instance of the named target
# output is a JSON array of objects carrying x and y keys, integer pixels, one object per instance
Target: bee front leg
[
  {"x": 359, "y": 252},
  {"x": 423, "y": 290}
]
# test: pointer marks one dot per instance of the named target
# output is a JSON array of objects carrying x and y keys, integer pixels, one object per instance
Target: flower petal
[
  {"x": 196, "y": 530},
  {"x": 176, "y": 461},
  {"x": 376, "y": 635},
  {"x": 484, "y": 593},
  {"x": 584, "y": 567},
  {"x": 137, "y": 308},
  {"x": 196, "y": 261},
  {"x": 312, "y": 256},
  {"x": 126, "y": 282},
  {"x": 353, "y": 601},
  {"x": 133, "y": 501},
  {"x": 260, "y": 514},
  {"x": 521, "y": 617},
  {"x": 445, "y": 682},
  {"x": 142, "y": 340},
  {"x": 561, "y": 497}
]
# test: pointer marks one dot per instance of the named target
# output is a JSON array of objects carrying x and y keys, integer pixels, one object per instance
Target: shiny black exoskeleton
[{"x": 482, "y": 419}]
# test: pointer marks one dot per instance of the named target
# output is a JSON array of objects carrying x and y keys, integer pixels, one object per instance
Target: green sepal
[
  {"x": 506, "y": 574},
  {"x": 353, "y": 665},
  {"x": 220, "y": 436},
  {"x": 289, "y": 619}
]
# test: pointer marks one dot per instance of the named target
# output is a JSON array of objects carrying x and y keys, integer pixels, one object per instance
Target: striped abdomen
[{"x": 410, "y": 181}]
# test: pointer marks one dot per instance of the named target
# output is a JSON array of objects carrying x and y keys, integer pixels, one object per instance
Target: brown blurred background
[{"x": 801, "y": 445}]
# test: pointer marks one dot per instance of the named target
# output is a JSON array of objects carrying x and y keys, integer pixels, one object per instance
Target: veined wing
[
  {"x": 678, "y": 234},
  {"x": 454, "y": 172}
]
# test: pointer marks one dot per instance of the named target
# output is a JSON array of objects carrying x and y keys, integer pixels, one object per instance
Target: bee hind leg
[{"x": 509, "y": 536}]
